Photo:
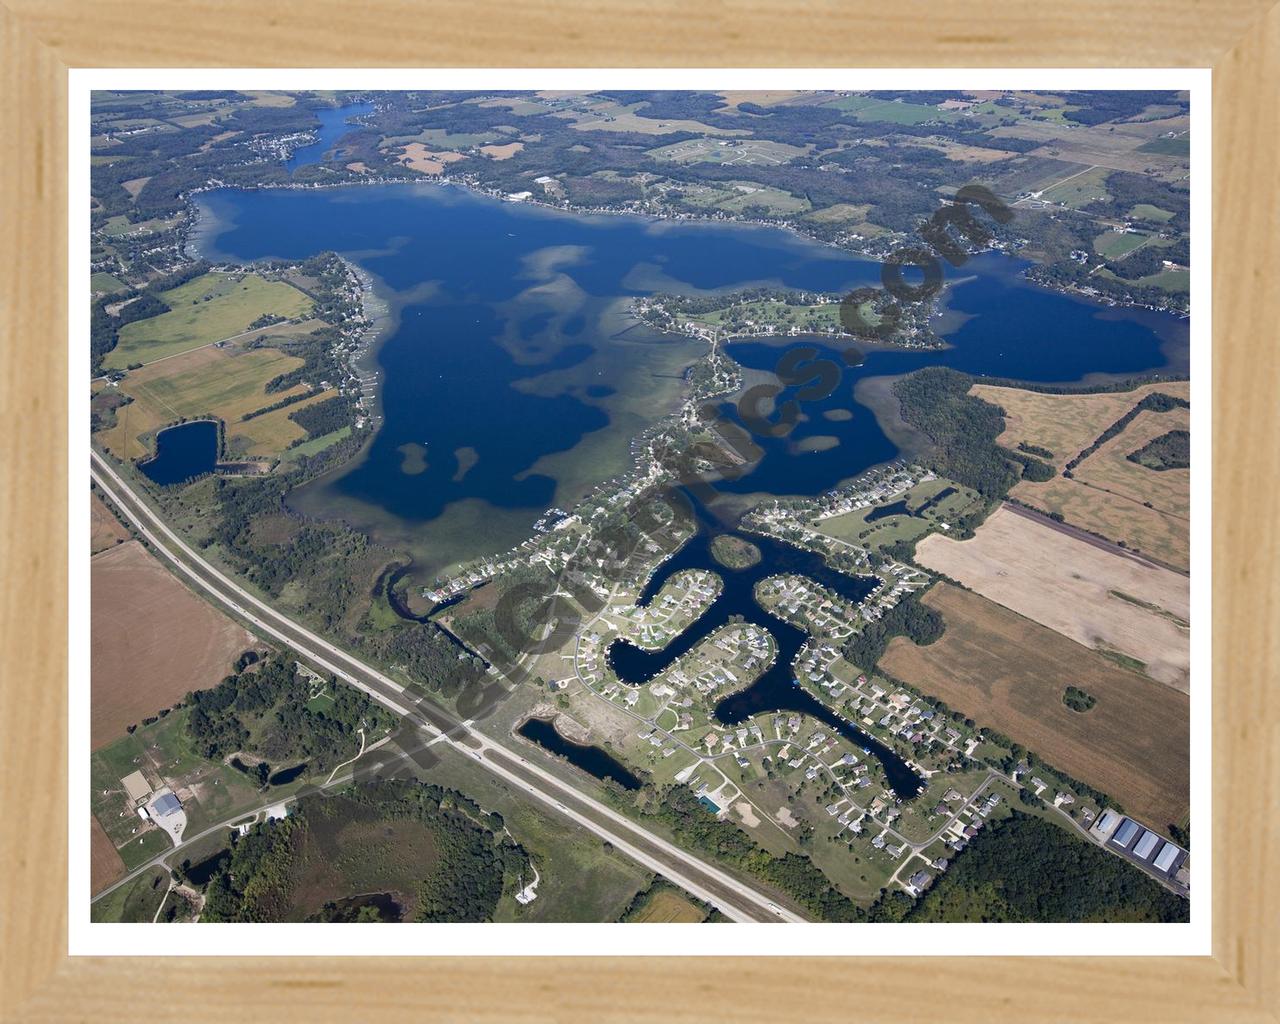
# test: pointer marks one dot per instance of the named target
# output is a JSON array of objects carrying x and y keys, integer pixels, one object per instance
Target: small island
[
  {"x": 768, "y": 312},
  {"x": 734, "y": 552}
]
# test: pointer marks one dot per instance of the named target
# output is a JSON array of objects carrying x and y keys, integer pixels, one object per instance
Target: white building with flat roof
[
  {"x": 1146, "y": 845},
  {"x": 1126, "y": 832},
  {"x": 1165, "y": 858}
]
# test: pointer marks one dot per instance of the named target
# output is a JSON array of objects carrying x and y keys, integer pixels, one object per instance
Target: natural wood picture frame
[{"x": 42, "y": 39}]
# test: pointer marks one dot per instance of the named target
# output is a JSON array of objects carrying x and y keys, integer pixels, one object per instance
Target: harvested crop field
[
  {"x": 1009, "y": 673},
  {"x": 1065, "y": 424},
  {"x": 667, "y": 907},
  {"x": 224, "y": 382},
  {"x": 151, "y": 641},
  {"x": 1109, "y": 468},
  {"x": 105, "y": 865},
  {"x": 1110, "y": 496},
  {"x": 504, "y": 152},
  {"x": 105, "y": 530},
  {"x": 418, "y": 158},
  {"x": 1092, "y": 595}
]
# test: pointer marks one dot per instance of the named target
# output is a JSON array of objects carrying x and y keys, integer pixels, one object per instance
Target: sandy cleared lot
[
  {"x": 1073, "y": 587},
  {"x": 105, "y": 865},
  {"x": 1009, "y": 673},
  {"x": 105, "y": 530},
  {"x": 151, "y": 641}
]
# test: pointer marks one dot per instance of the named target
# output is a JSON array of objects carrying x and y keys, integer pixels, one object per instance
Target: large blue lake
[{"x": 512, "y": 379}]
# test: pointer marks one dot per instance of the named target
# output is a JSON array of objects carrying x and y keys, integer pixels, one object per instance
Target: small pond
[{"x": 183, "y": 452}]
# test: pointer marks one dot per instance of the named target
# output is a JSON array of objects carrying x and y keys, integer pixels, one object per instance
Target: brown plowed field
[
  {"x": 105, "y": 530},
  {"x": 151, "y": 641},
  {"x": 1009, "y": 673},
  {"x": 105, "y": 865},
  {"x": 1091, "y": 593}
]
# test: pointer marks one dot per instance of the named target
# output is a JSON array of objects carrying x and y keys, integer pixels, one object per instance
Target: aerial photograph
[{"x": 638, "y": 506}]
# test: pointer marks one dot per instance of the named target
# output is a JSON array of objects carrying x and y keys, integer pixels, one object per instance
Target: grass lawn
[
  {"x": 208, "y": 309},
  {"x": 666, "y": 906},
  {"x": 317, "y": 444},
  {"x": 773, "y": 199},
  {"x": 1081, "y": 189},
  {"x": 880, "y": 533},
  {"x": 145, "y": 846},
  {"x": 134, "y": 902},
  {"x": 720, "y": 151},
  {"x": 106, "y": 283},
  {"x": 1115, "y": 243},
  {"x": 121, "y": 225},
  {"x": 819, "y": 317},
  {"x": 321, "y": 703},
  {"x": 867, "y": 108},
  {"x": 1178, "y": 146},
  {"x": 163, "y": 750},
  {"x": 1145, "y": 211},
  {"x": 1169, "y": 280}
]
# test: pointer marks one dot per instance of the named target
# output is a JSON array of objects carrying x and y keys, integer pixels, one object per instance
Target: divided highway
[{"x": 736, "y": 899}]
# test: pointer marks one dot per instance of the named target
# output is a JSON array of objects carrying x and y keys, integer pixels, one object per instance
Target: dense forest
[
  {"x": 1168, "y": 451},
  {"x": 910, "y": 617},
  {"x": 963, "y": 430},
  {"x": 264, "y": 708},
  {"x": 1028, "y": 869}
]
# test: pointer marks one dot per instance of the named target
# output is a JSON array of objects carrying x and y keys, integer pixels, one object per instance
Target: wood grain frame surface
[{"x": 41, "y": 39}]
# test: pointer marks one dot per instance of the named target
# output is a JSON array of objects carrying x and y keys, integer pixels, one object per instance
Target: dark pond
[
  {"x": 287, "y": 775},
  {"x": 897, "y": 508},
  {"x": 182, "y": 452},
  {"x": 900, "y": 508},
  {"x": 591, "y": 760},
  {"x": 333, "y": 125},
  {"x": 201, "y": 873},
  {"x": 348, "y": 910}
]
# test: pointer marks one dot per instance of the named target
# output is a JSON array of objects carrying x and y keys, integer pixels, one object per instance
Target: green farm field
[
  {"x": 867, "y": 108},
  {"x": 208, "y": 309},
  {"x": 1114, "y": 243},
  {"x": 1145, "y": 211},
  {"x": 732, "y": 151},
  {"x": 1081, "y": 189}
]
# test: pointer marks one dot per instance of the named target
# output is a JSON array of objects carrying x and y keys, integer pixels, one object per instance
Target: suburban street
[{"x": 736, "y": 899}]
